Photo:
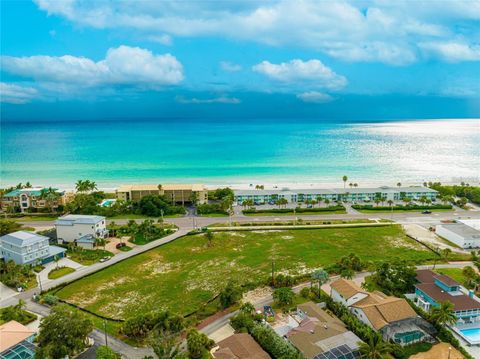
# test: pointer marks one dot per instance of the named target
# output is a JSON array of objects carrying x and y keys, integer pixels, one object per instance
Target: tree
[
  {"x": 446, "y": 253},
  {"x": 50, "y": 195},
  {"x": 390, "y": 202},
  {"x": 394, "y": 278},
  {"x": 165, "y": 344},
  {"x": 344, "y": 179},
  {"x": 63, "y": 332},
  {"x": 282, "y": 202},
  {"x": 104, "y": 352},
  {"x": 198, "y": 344},
  {"x": 7, "y": 226},
  {"x": 247, "y": 308},
  {"x": 230, "y": 295},
  {"x": 444, "y": 314},
  {"x": 399, "y": 184},
  {"x": 283, "y": 296},
  {"x": 209, "y": 235},
  {"x": 374, "y": 348},
  {"x": 471, "y": 277},
  {"x": 320, "y": 276}
]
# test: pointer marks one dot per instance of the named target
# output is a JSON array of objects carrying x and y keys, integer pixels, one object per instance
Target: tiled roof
[
  {"x": 346, "y": 288},
  {"x": 240, "y": 346},
  {"x": 12, "y": 333},
  {"x": 460, "y": 302},
  {"x": 387, "y": 311},
  {"x": 22, "y": 238}
]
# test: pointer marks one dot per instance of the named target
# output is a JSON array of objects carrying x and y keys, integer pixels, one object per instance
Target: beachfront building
[
  {"x": 16, "y": 341},
  {"x": 464, "y": 233},
  {"x": 175, "y": 193},
  {"x": 336, "y": 194},
  {"x": 24, "y": 247},
  {"x": 321, "y": 335},
  {"x": 392, "y": 317},
  {"x": 30, "y": 200},
  {"x": 74, "y": 227}
]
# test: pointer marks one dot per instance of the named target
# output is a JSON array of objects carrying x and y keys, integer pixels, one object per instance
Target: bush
[
  {"x": 277, "y": 347},
  {"x": 50, "y": 299},
  {"x": 153, "y": 205},
  {"x": 104, "y": 352},
  {"x": 305, "y": 292},
  {"x": 211, "y": 208},
  {"x": 15, "y": 312},
  {"x": 230, "y": 295},
  {"x": 413, "y": 207},
  {"x": 141, "y": 325},
  {"x": 298, "y": 210}
]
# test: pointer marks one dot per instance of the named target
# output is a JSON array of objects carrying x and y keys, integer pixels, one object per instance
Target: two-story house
[
  {"x": 24, "y": 247},
  {"x": 433, "y": 289},
  {"x": 82, "y": 228},
  {"x": 392, "y": 317}
]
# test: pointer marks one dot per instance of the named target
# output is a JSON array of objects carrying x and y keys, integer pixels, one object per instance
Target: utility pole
[
  {"x": 161, "y": 214},
  {"x": 40, "y": 282},
  {"x": 273, "y": 273}
]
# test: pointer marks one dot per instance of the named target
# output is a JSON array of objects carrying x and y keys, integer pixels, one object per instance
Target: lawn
[
  {"x": 454, "y": 273},
  {"x": 298, "y": 214},
  {"x": 141, "y": 216},
  {"x": 186, "y": 273},
  {"x": 87, "y": 256},
  {"x": 402, "y": 210},
  {"x": 60, "y": 272},
  {"x": 298, "y": 222}
]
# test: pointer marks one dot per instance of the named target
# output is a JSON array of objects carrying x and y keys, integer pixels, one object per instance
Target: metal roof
[
  {"x": 71, "y": 219},
  {"x": 462, "y": 230},
  {"x": 287, "y": 191},
  {"x": 22, "y": 238}
]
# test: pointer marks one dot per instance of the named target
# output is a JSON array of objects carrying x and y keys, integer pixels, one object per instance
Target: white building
[
  {"x": 72, "y": 227},
  {"x": 465, "y": 233}
]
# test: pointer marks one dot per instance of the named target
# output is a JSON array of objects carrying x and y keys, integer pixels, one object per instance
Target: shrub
[
  {"x": 141, "y": 325},
  {"x": 305, "y": 292},
  {"x": 50, "y": 299},
  {"x": 104, "y": 352},
  {"x": 273, "y": 344},
  {"x": 230, "y": 295}
]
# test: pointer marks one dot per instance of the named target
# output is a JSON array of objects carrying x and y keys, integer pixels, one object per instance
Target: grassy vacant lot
[
  {"x": 60, "y": 272},
  {"x": 184, "y": 274}
]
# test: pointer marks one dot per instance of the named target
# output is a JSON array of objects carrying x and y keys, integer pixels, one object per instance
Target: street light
[{"x": 449, "y": 352}]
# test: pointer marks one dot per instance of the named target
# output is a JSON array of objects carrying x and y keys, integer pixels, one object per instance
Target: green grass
[
  {"x": 87, "y": 256},
  {"x": 454, "y": 273},
  {"x": 34, "y": 218},
  {"x": 325, "y": 213},
  {"x": 60, "y": 272},
  {"x": 290, "y": 222},
  {"x": 141, "y": 216},
  {"x": 410, "y": 350},
  {"x": 186, "y": 273},
  {"x": 125, "y": 249}
]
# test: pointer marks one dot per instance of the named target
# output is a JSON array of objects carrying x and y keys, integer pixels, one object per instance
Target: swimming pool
[
  {"x": 472, "y": 335},
  {"x": 107, "y": 202}
]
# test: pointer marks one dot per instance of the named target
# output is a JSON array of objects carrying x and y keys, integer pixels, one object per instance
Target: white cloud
[
  {"x": 123, "y": 65},
  {"x": 220, "y": 99},
  {"x": 230, "y": 67},
  {"x": 163, "y": 39},
  {"x": 297, "y": 71},
  {"x": 16, "y": 94},
  {"x": 315, "y": 96},
  {"x": 452, "y": 51},
  {"x": 375, "y": 30}
]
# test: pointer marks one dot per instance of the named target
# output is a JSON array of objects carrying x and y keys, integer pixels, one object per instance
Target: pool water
[
  {"x": 473, "y": 334},
  {"x": 108, "y": 202}
]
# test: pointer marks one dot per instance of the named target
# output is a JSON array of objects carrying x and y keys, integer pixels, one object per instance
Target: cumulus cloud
[
  {"x": 452, "y": 51},
  {"x": 124, "y": 65},
  {"x": 376, "y": 30},
  {"x": 298, "y": 71},
  {"x": 230, "y": 67},
  {"x": 16, "y": 94},
  {"x": 315, "y": 96},
  {"x": 220, "y": 99}
]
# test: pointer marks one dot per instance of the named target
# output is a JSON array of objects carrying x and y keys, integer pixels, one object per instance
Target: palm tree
[
  {"x": 50, "y": 195},
  {"x": 446, "y": 253},
  {"x": 321, "y": 276},
  {"x": 390, "y": 202},
  {"x": 399, "y": 184},
  {"x": 345, "y": 179},
  {"x": 445, "y": 314},
  {"x": 350, "y": 184},
  {"x": 327, "y": 202},
  {"x": 374, "y": 348},
  {"x": 355, "y": 185},
  {"x": 319, "y": 200}
]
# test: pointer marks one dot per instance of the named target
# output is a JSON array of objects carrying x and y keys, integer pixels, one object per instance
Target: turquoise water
[
  {"x": 472, "y": 334},
  {"x": 234, "y": 151}
]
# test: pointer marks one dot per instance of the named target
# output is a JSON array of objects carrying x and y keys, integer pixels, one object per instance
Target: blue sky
[{"x": 315, "y": 59}]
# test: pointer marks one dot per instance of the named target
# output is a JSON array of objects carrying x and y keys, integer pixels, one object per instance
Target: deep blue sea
[{"x": 112, "y": 152}]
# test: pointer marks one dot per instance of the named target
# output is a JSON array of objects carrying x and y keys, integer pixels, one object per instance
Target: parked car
[
  {"x": 426, "y": 212},
  {"x": 120, "y": 245}
]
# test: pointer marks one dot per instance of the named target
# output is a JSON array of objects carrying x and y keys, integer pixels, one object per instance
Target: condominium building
[
  {"x": 336, "y": 194},
  {"x": 24, "y": 247},
  {"x": 26, "y": 199},
  {"x": 175, "y": 193},
  {"x": 73, "y": 227}
]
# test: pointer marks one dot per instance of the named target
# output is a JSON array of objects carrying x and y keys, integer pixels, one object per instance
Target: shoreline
[{"x": 244, "y": 185}]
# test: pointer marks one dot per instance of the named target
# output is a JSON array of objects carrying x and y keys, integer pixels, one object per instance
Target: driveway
[{"x": 64, "y": 262}]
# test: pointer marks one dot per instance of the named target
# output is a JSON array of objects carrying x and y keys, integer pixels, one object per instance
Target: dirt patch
[{"x": 256, "y": 294}]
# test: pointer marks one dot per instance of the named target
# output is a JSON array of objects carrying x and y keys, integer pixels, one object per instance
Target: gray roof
[
  {"x": 71, "y": 219},
  {"x": 287, "y": 191},
  {"x": 87, "y": 238},
  {"x": 463, "y": 230},
  {"x": 22, "y": 238},
  {"x": 54, "y": 250}
]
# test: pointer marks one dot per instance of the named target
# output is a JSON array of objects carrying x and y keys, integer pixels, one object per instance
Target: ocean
[{"x": 239, "y": 152}]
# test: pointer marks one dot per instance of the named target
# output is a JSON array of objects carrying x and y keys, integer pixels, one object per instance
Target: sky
[{"x": 79, "y": 59}]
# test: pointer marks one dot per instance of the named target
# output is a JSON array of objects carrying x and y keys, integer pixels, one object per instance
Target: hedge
[
  {"x": 412, "y": 207},
  {"x": 297, "y": 210}
]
